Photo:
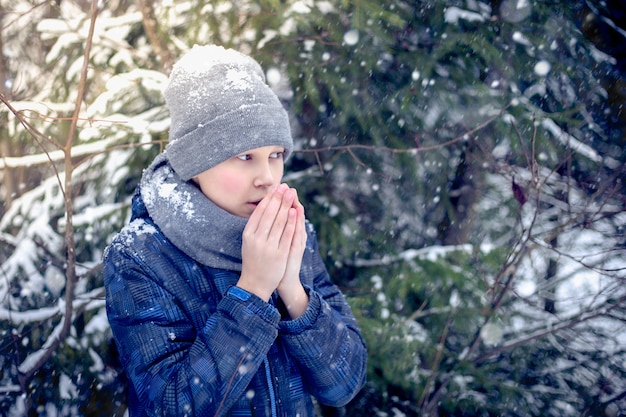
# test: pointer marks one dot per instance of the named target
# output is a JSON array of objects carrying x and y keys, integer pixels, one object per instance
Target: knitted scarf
[{"x": 192, "y": 222}]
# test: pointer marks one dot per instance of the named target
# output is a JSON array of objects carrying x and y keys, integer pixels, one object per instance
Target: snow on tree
[{"x": 461, "y": 161}]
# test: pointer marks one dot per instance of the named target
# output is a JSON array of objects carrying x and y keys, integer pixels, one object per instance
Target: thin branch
[
  {"x": 500, "y": 290},
  {"x": 435, "y": 365},
  {"x": 151, "y": 26},
  {"x": 21, "y": 117},
  {"x": 552, "y": 329},
  {"x": 413, "y": 150},
  {"x": 89, "y": 150},
  {"x": 39, "y": 137},
  {"x": 36, "y": 360}
]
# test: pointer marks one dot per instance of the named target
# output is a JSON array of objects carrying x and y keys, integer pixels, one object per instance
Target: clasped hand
[{"x": 273, "y": 245}]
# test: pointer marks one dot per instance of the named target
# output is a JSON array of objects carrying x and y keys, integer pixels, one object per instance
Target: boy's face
[{"x": 238, "y": 184}]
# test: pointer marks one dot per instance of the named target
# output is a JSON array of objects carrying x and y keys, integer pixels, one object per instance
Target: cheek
[
  {"x": 231, "y": 180},
  {"x": 277, "y": 171}
]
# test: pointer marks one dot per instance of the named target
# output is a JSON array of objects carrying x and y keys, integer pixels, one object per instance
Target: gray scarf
[{"x": 192, "y": 222}]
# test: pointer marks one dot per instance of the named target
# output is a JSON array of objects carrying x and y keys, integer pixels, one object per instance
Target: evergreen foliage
[{"x": 462, "y": 162}]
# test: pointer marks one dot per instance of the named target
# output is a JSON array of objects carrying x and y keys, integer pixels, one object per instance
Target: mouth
[{"x": 254, "y": 203}]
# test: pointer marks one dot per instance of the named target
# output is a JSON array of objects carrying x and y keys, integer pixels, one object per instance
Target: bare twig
[
  {"x": 569, "y": 323},
  {"x": 413, "y": 150},
  {"x": 63, "y": 330},
  {"x": 434, "y": 367}
]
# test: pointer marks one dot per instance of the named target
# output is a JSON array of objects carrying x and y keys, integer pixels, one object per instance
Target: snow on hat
[{"x": 220, "y": 106}]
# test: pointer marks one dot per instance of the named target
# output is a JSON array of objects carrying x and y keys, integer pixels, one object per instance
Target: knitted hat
[{"x": 220, "y": 106}]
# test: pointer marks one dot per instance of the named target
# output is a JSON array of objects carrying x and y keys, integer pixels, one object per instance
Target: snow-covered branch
[{"x": 33, "y": 361}]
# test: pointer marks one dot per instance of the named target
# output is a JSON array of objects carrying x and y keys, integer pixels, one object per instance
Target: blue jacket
[{"x": 192, "y": 344}]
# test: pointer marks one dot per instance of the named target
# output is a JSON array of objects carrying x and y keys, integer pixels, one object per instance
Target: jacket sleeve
[
  {"x": 326, "y": 341},
  {"x": 173, "y": 368}
]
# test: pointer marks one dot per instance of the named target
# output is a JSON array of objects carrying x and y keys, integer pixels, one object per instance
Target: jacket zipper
[{"x": 270, "y": 386}]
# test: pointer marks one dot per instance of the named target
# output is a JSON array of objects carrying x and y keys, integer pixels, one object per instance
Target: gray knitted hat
[{"x": 220, "y": 106}]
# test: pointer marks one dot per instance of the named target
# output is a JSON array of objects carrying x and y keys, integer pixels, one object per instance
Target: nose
[{"x": 263, "y": 175}]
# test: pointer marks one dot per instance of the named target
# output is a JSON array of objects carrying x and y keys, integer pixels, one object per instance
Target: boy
[{"x": 216, "y": 294}]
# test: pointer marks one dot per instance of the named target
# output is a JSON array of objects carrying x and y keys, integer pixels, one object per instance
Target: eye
[
  {"x": 277, "y": 155},
  {"x": 244, "y": 157}
]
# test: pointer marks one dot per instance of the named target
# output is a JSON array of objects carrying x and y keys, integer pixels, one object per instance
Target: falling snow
[{"x": 27, "y": 225}]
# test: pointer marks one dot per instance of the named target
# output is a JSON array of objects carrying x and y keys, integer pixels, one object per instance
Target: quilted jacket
[{"x": 193, "y": 344}]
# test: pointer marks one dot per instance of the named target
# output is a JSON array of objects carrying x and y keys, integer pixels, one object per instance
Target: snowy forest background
[{"x": 462, "y": 160}]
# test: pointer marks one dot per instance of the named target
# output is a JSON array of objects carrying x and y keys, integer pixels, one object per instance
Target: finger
[
  {"x": 296, "y": 202},
  {"x": 299, "y": 211},
  {"x": 257, "y": 214},
  {"x": 289, "y": 230},
  {"x": 265, "y": 212},
  {"x": 274, "y": 216},
  {"x": 284, "y": 216},
  {"x": 300, "y": 236}
]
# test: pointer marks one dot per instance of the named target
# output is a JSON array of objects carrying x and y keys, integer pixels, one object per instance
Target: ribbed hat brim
[{"x": 248, "y": 127}]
